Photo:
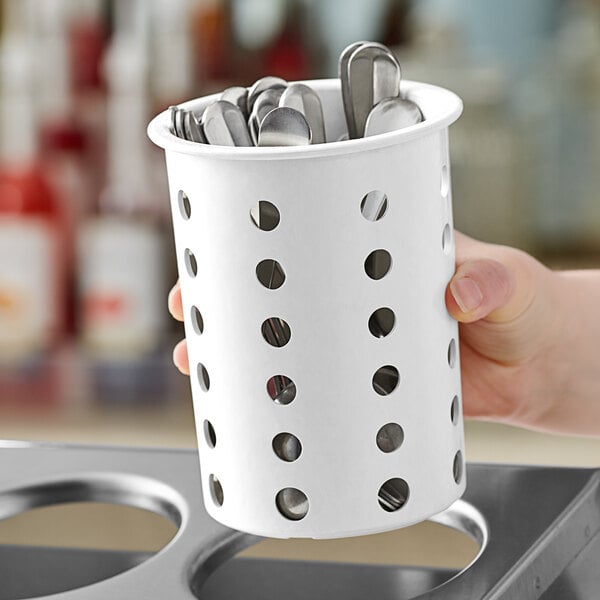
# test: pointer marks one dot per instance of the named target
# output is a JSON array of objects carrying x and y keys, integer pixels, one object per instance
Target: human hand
[
  {"x": 512, "y": 322},
  {"x": 180, "y": 352}
]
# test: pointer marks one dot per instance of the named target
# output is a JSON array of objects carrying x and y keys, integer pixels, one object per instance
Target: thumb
[
  {"x": 491, "y": 282},
  {"x": 479, "y": 287}
]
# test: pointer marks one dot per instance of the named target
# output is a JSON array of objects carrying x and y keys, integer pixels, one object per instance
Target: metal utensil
[
  {"x": 373, "y": 74},
  {"x": 173, "y": 114},
  {"x": 224, "y": 125},
  {"x": 392, "y": 114},
  {"x": 185, "y": 121},
  {"x": 178, "y": 125},
  {"x": 345, "y": 84},
  {"x": 370, "y": 81},
  {"x": 263, "y": 105},
  {"x": 177, "y": 122},
  {"x": 304, "y": 99},
  {"x": 237, "y": 95},
  {"x": 193, "y": 128},
  {"x": 261, "y": 85},
  {"x": 284, "y": 126}
]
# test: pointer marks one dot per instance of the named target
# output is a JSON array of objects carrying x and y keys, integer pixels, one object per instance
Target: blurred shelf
[
  {"x": 168, "y": 425},
  {"x": 172, "y": 425},
  {"x": 491, "y": 442}
]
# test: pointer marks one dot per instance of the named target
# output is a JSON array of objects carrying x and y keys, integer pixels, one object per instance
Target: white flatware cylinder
[{"x": 281, "y": 289}]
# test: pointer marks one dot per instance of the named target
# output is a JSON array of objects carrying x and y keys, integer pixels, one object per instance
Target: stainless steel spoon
[
  {"x": 305, "y": 100},
  {"x": 224, "y": 125},
  {"x": 263, "y": 105},
  {"x": 259, "y": 86},
  {"x": 193, "y": 128},
  {"x": 177, "y": 118},
  {"x": 173, "y": 114},
  {"x": 392, "y": 114},
  {"x": 373, "y": 74},
  {"x": 345, "y": 85},
  {"x": 284, "y": 126},
  {"x": 237, "y": 95}
]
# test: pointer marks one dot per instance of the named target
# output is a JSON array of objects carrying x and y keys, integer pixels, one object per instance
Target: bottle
[
  {"x": 122, "y": 253},
  {"x": 171, "y": 73},
  {"x": 32, "y": 254},
  {"x": 87, "y": 35},
  {"x": 87, "y": 38},
  {"x": 62, "y": 139},
  {"x": 288, "y": 55},
  {"x": 212, "y": 44}
]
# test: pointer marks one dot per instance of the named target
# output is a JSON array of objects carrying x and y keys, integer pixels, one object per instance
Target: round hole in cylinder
[
  {"x": 216, "y": 490},
  {"x": 191, "y": 264},
  {"x": 457, "y": 467},
  {"x": 393, "y": 494},
  {"x": 378, "y": 264},
  {"x": 447, "y": 239},
  {"x": 265, "y": 215},
  {"x": 452, "y": 353},
  {"x": 292, "y": 503},
  {"x": 281, "y": 389},
  {"x": 203, "y": 378},
  {"x": 197, "y": 320},
  {"x": 185, "y": 208},
  {"x": 390, "y": 437},
  {"x": 445, "y": 181},
  {"x": 455, "y": 410},
  {"x": 385, "y": 380},
  {"x": 209, "y": 434},
  {"x": 374, "y": 205},
  {"x": 381, "y": 322},
  {"x": 287, "y": 446},
  {"x": 276, "y": 332},
  {"x": 270, "y": 274}
]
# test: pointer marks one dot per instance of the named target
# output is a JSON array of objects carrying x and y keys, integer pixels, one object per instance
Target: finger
[
  {"x": 180, "y": 357},
  {"x": 175, "y": 303},
  {"x": 478, "y": 288},
  {"x": 492, "y": 282}
]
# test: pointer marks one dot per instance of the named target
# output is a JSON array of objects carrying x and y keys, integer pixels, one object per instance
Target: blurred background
[{"x": 86, "y": 254}]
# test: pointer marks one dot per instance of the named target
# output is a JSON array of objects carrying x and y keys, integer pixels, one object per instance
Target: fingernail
[
  {"x": 171, "y": 296},
  {"x": 467, "y": 294}
]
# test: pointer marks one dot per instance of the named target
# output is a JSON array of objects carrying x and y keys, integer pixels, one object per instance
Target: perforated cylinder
[{"x": 324, "y": 365}]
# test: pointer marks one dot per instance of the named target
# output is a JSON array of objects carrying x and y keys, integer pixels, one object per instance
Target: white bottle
[
  {"x": 121, "y": 250},
  {"x": 171, "y": 51}
]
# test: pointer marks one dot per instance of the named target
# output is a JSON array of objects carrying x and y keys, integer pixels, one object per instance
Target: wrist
[{"x": 569, "y": 369}]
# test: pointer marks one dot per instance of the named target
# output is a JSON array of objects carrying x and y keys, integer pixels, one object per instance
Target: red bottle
[
  {"x": 32, "y": 251},
  {"x": 288, "y": 56},
  {"x": 31, "y": 257}
]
